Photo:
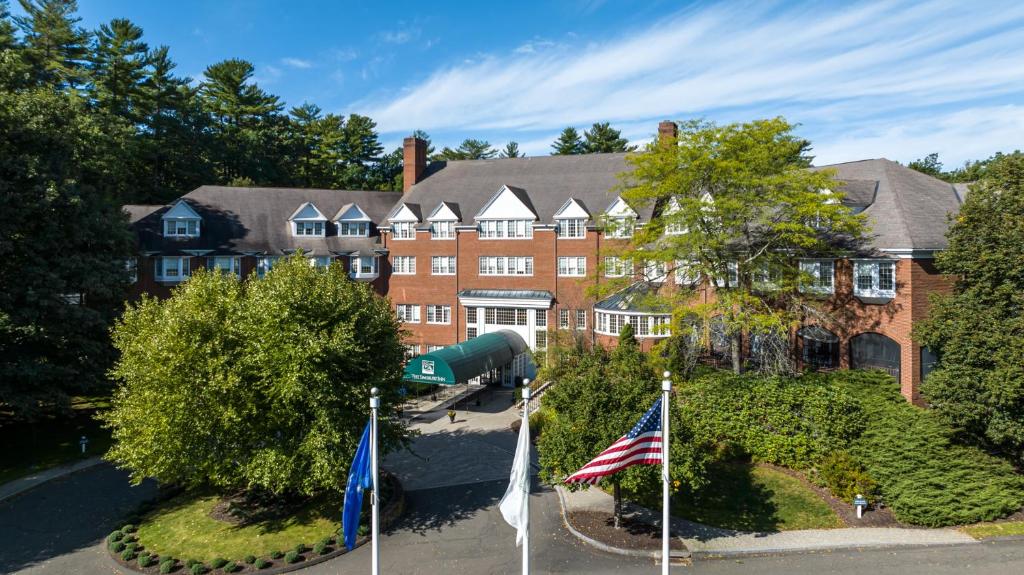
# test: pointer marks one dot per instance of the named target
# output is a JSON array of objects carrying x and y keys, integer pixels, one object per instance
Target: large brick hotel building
[{"x": 476, "y": 246}]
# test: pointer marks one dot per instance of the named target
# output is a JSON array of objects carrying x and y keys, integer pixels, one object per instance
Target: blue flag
[{"x": 360, "y": 477}]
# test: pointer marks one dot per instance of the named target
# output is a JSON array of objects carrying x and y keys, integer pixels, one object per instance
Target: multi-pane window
[
  {"x": 408, "y": 313},
  {"x": 439, "y": 314},
  {"x": 541, "y": 318},
  {"x": 506, "y": 266},
  {"x": 643, "y": 325},
  {"x": 404, "y": 265},
  {"x": 470, "y": 315},
  {"x": 620, "y": 227},
  {"x": 572, "y": 319},
  {"x": 172, "y": 268},
  {"x": 874, "y": 278},
  {"x": 442, "y": 265},
  {"x": 470, "y": 332},
  {"x": 264, "y": 263},
  {"x": 309, "y": 228},
  {"x": 505, "y": 316},
  {"x": 615, "y": 267},
  {"x": 581, "y": 319},
  {"x": 509, "y": 229},
  {"x": 655, "y": 271},
  {"x": 403, "y": 230},
  {"x": 572, "y": 228},
  {"x": 541, "y": 337},
  {"x": 363, "y": 265},
  {"x": 686, "y": 274},
  {"x": 819, "y": 275},
  {"x": 563, "y": 319},
  {"x": 731, "y": 277},
  {"x": 184, "y": 228},
  {"x": 226, "y": 264},
  {"x": 432, "y": 348},
  {"x": 411, "y": 350},
  {"x": 572, "y": 266},
  {"x": 320, "y": 261},
  {"x": 360, "y": 229},
  {"x": 442, "y": 230},
  {"x": 674, "y": 228}
]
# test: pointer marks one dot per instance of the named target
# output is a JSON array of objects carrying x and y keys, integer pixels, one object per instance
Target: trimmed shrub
[
  {"x": 276, "y": 554},
  {"x": 190, "y": 562},
  {"x": 129, "y": 528},
  {"x": 145, "y": 560},
  {"x": 117, "y": 546},
  {"x": 320, "y": 548},
  {"x": 845, "y": 478},
  {"x": 133, "y": 547},
  {"x": 168, "y": 565},
  {"x": 300, "y": 548},
  {"x": 198, "y": 569},
  {"x": 115, "y": 535},
  {"x": 292, "y": 557},
  {"x": 262, "y": 563},
  {"x": 128, "y": 555},
  {"x": 231, "y": 567},
  {"x": 250, "y": 559},
  {"x": 218, "y": 562}
]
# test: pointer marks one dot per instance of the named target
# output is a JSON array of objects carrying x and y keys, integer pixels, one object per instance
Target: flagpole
[
  {"x": 666, "y": 390},
  {"x": 374, "y": 500},
  {"x": 526, "y": 504}
]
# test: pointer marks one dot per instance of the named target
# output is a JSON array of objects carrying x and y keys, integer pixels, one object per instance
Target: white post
[
  {"x": 374, "y": 500},
  {"x": 526, "y": 423},
  {"x": 666, "y": 390}
]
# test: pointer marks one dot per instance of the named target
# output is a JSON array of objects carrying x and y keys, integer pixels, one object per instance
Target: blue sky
[{"x": 870, "y": 79}]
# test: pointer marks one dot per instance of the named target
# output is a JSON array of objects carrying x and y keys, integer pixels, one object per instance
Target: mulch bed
[
  {"x": 873, "y": 516},
  {"x": 632, "y": 533}
]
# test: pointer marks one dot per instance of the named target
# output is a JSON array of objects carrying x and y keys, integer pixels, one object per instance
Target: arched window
[
  {"x": 820, "y": 347},
  {"x": 875, "y": 351}
]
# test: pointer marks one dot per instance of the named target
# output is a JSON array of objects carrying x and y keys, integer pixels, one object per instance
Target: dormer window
[
  {"x": 505, "y": 229},
  {"x": 443, "y": 220},
  {"x": 181, "y": 221},
  {"x": 620, "y": 219},
  {"x": 571, "y": 220},
  {"x": 442, "y": 230},
  {"x": 309, "y": 228},
  {"x": 352, "y": 222},
  {"x": 354, "y": 229},
  {"x": 509, "y": 214},
  {"x": 403, "y": 230},
  {"x": 308, "y": 221}
]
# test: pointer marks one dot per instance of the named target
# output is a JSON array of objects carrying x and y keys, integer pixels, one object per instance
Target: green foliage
[
  {"x": 300, "y": 548},
  {"x": 115, "y": 536},
  {"x": 231, "y": 567},
  {"x": 363, "y": 530},
  {"x": 469, "y": 149},
  {"x": 568, "y": 142},
  {"x": 145, "y": 560},
  {"x": 128, "y": 554},
  {"x": 249, "y": 387},
  {"x": 218, "y": 562},
  {"x": 844, "y": 477},
  {"x": 198, "y": 569},
  {"x": 783, "y": 421},
  {"x": 276, "y": 554},
  {"x": 262, "y": 563},
  {"x": 602, "y": 138},
  {"x": 922, "y": 474},
  {"x": 117, "y": 546},
  {"x": 189, "y": 563},
  {"x": 250, "y": 559},
  {"x": 320, "y": 548},
  {"x": 511, "y": 150},
  {"x": 128, "y": 528},
  {"x": 168, "y": 565},
  {"x": 978, "y": 331},
  {"x": 292, "y": 557}
]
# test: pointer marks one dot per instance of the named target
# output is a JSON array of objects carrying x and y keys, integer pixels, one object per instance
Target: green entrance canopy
[{"x": 464, "y": 361}]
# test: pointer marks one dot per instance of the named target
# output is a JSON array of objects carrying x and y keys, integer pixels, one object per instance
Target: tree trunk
[
  {"x": 737, "y": 364},
  {"x": 617, "y": 496}
]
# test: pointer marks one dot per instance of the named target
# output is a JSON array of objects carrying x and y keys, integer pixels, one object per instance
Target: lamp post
[
  {"x": 666, "y": 391},
  {"x": 526, "y": 502},
  {"x": 375, "y": 500}
]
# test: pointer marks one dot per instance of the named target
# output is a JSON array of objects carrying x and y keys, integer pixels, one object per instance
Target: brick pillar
[
  {"x": 414, "y": 159},
  {"x": 667, "y": 131}
]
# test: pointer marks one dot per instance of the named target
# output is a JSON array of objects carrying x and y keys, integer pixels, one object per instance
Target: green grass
[
  {"x": 746, "y": 497},
  {"x": 182, "y": 527},
  {"x": 26, "y": 448},
  {"x": 986, "y": 530}
]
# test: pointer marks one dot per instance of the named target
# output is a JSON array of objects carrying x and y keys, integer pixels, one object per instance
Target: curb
[
  {"x": 740, "y": 553},
  {"x": 36, "y": 480},
  {"x": 611, "y": 548}
]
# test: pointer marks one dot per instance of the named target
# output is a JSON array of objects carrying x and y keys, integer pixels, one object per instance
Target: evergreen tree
[
  {"x": 426, "y": 138},
  {"x": 929, "y": 164},
  {"x": 568, "y": 142},
  {"x": 55, "y": 46},
  {"x": 511, "y": 150},
  {"x": 469, "y": 149},
  {"x": 7, "y": 28},
  {"x": 602, "y": 138},
  {"x": 119, "y": 68},
  {"x": 362, "y": 149}
]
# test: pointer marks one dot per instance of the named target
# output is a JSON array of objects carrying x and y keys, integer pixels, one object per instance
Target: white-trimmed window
[
  {"x": 874, "y": 278},
  {"x": 616, "y": 267},
  {"x": 264, "y": 263},
  {"x": 431, "y": 348},
  {"x": 685, "y": 274},
  {"x": 354, "y": 229},
  {"x": 309, "y": 228},
  {"x": 655, "y": 271},
  {"x": 572, "y": 266},
  {"x": 470, "y": 331},
  {"x": 541, "y": 337},
  {"x": 581, "y": 319},
  {"x": 226, "y": 264},
  {"x": 820, "y": 276},
  {"x": 181, "y": 228},
  {"x": 439, "y": 314},
  {"x": 644, "y": 325},
  {"x": 506, "y": 266},
  {"x": 541, "y": 319},
  {"x": 320, "y": 261},
  {"x": 470, "y": 315},
  {"x": 563, "y": 319},
  {"x": 505, "y": 229},
  {"x": 362, "y": 266},
  {"x": 674, "y": 229},
  {"x": 404, "y": 265},
  {"x": 442, "y": 230},
  {"x": 442, "y": 265},
  {"x": 732, "y": 277},
  {"x": 408, "y": 313},
  {"x": 620, "y": 227},
  {"x": 505, "y": 316},
  {"x": 173, "y": 268},
  {"x": 411, "y": 350},
  {"x": 572, "y": 319},
  {"x": 572, "y": 228},
  {"x": 403, "y": 230}
]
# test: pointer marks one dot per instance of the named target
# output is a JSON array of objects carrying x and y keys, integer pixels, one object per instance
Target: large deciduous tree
[
  {"x": 977, "y": 331},
  {"x": 246, "y": 386},
  {"x": 735, "y": 207}
]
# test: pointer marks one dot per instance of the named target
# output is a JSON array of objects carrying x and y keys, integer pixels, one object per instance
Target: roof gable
[
  {"x": 620, "y": 209},
  {"x": 351, "y": 213},
  {"x": 572, "y": 209},
  {"x": 404, "y": 212},
  {"x": 307, "y": 212},
  {"x": 445, "y": 212},
  {"x": 181, "y": 211},
  {"x": 509, "y": 203}
]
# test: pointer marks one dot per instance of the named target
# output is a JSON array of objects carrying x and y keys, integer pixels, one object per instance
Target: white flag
[{"x": 513, "y": 504}]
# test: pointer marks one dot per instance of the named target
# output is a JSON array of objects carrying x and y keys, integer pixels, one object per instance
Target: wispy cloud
[
  {"x": 404, "y": 33},
  {"x": 297, "y": 63},
  {"x": 863, "y": 63}
]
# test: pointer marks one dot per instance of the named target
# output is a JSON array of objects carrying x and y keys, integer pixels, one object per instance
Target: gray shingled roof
[
  {"x": 138, "y": 211},
  {"x": 546, "y": 181},
  {"x": 909, "y": 210},
  {"x": 255, "y": 220}
]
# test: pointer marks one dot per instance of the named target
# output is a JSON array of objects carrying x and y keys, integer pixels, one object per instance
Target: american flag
[{"x": 641, "y": 445}]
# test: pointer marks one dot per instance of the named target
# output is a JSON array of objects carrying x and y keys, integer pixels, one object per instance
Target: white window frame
[
  {"x": 517, "y": 229},
  {"x": 403, "y": 230},
  {"x": 408, "y": 312},
  {"x": 431, "y": 348},
  {"x": 655, "y": 271},
  {"x": 354, "y": 229},
  {"x": 733, "y": 271},
  {"x": 191, "y": 228},
  {"x": 233, "y": 267},
  {"x": 321, "y": 262},
  {"x": 572, "y": 266},
  {"x": 685, "y": 275},
  {"x": 439, "y": 314},
  {"x": 581, "y": 319},
  {"x": 316, "y": 229},
  {"x": 181, "y": 270},
  {"x": 814, "y": 269},
  {"x": 620, "y": 227},
  {"x": 571, "y": 228},
  {"x": 442, "y": 266},
  {"x": 563, "y": 318},
  {"x": 644, "y": 325},
  {"x": 513, "y": 266},
  {"x": 616, "y": 267},
  {"x": 403, "y": 265},
  {"x": 873, "y": 270},
  {"x": 444, "y": 230},
  {"x": 356, "y": 268}
]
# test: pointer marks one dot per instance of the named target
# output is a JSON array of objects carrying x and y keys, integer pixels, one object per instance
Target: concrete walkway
[
  {"x": 706, "y": 541},
  {"x": 22, "y": 484}
]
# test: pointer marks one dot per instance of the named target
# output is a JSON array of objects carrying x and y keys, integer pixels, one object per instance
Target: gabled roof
[
  {"x": 620, "y": 208},
  {"x": 573, "y": 209},
  {"x": 307, "y": 212},
  {"x": 138, "y": 211},
  {"x": 405, "y": 212},
  {"x": 180, "y": 210},
  {"x": 446, "y": 211},
  {"x": 509, "y": 202},
  {"x": 351, "y": 212}
]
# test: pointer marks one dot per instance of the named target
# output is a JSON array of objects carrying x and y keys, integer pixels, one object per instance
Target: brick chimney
[
  {"x": 414, "y": 158},
  {"x": 667, "y": 131}
]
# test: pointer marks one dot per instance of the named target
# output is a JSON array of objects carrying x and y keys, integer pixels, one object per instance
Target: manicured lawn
[
  {"x": 29, "y": 447},
  {"x": 985, "y": 530},
  {"x": 182, "y": 528},
  {"x": 747, "y": 497}
]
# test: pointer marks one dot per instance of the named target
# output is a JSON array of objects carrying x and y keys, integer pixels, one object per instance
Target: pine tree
[
  {"x": 54, "y": 45},
  {"x": 7, "y": 39},
  {"x": 469, "y": 149},
  {"x": 426, "y": 138},
  {"x": 602, "y": 138},
  {"x": 568, "y": 143},
  {"x": 119, "y": 62},
  {"x": 511, "y": 151}
]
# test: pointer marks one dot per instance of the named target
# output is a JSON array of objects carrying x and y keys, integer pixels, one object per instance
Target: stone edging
[
  {"x": 388, "y": 515},
  {"x": 673, "y": 554},
  {"x": 45, "y": 476}
]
